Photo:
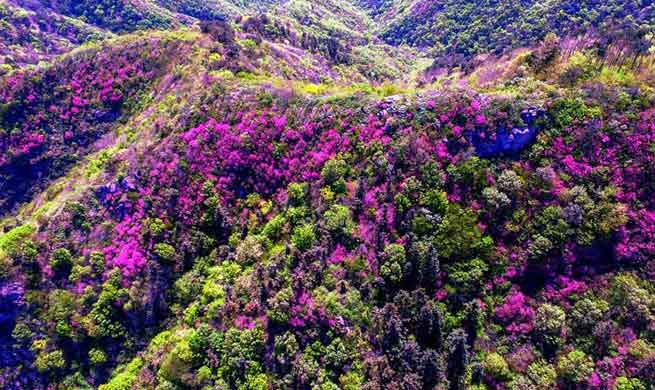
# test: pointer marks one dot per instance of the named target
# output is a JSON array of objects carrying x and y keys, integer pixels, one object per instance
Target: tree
[
  {"x": 496, "y": 367},
  {"x": 394, "y": 263},
  {"x": 575, "y": 367},
  {"x": 61, "y": 260},
  {"x": 549, "y": 323},
  {"x": 430, "y": 270},
  {"x": 165, "y": 252},
  {"x": 458, "y": 358},
  {"x": 50, "y": 361},
  {"x": 429, "y": 328},
  {"x": 338, "y": 221},
  {"x": 542, "y": 375},
  {"x": 458, "y": 236},
  {"x": 303, "y": 237}
]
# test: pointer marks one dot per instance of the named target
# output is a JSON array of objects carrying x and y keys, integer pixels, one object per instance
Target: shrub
[
  {"x": 496, "y": 366},
  {"x": 61, "y": 260},
  {"x": 297, "y": 193},
  {"x": 165, "y": 252},
  {"x": 468, "y": 276},
  {"x": 435, "y": 201},
  {"x": 338, "y": 220},
  {"x": 303, "y": 237},
  {"x": 623, "y": 383},
  {"x": 274, "y": 227},
  {"x": 11, "y": 242},
  {"x": 509, "y": 182},
  {"x": 575, "y": 367},
  {"x": 48, "y": 361},
  {"x": 124, "y": 376},
  {"x": 97, "y": 357},
  {"x": 539, "y": 248},
  {"x": 495, "y": 199},
  {"x": 250, "y": 250},
  {"x": 542, "y": 374},
  {"x": 550, "y": 319},
  {"x": 334, "y": 172},
  {"x": 549, "y": 323},
  {"x": 587, "y": 312},
  {"x": 458, "y": 235},
  {"x": 394, "y": 263}
]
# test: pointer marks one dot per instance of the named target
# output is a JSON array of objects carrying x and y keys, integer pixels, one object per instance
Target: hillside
[
  {"x": 493, "y": 26},
  {"x": 343, "y": 195}
]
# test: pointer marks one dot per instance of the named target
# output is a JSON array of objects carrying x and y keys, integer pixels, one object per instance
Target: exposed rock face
[{"x": 508, "y": 142}]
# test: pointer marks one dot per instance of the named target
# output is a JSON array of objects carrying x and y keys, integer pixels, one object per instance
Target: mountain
[
  {"x": 470, "y": 28},
  {"x": 357, "y": 194}
]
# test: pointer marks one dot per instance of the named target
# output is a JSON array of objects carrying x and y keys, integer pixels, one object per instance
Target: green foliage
[
  {"x": 623, "y": 383},
  {"x": 468, "y": 276},
  {"x": 250, "y": 250},
  {"x": 435, "y": 201},
  {"x": 338, "y": 220},
  {"x": 124, "y": 376},
  {"x": 575, "y": 366},
  {"x": 79, "y": 272},
  {"x": 303, "y": 237},
  {"x": 549, "y": 323},
  {"x": 496, "y": 366},
  {"x": 273, "y": 228},
  {"x": 550, "y": 224},
  {"x": 550, "y": 319},
  {"x": 352, "y": 380},
  {"x": 297, "y": 193},
  {"x": 495, "y": 199},
  {"x": 539, "y": 247},
  {"x": 394, "y": 263},
  {"x": 567, "y": 112},
  {"x": 581, "y": 67},
  {"x": 471, "y": 172},
  {"x": 239, "y": 348},
  {"x": 542, "y": 375},
  {"x": 334, "y": 173},
  {"x": 458, "y": 236},
  {"x": 587, "y": 312},
  {"x": 97, "y": 357},
  {"x": 633, "y": 297},
  {"x": 165, "y": 252},
  {"x": 76, "y": 381},
  {"x": 49, "y": 361},
  {"x": 178, "y": 361},
  {"x": 279, "y": 306},
  {"x": 205, "y": 374},
  {"x": 510, "y": 182},
  {"x": 103, "y": 320},
  {"x": 97, "y": 261},
  {"x": 155, "y": 227},
  {"x": 61, "y": 260},
  {"x": 61, "y": 306},
  {"x": 12, "y": 242},
  {"x": 248, "y": 44}
]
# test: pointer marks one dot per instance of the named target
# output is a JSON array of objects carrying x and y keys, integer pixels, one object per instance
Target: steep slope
[
  {"x": 244, "y": 226},
  {"x": 28, "y": 37},
  {"x": 50, "y": 118},
  {"x": 465, "y": 29}
]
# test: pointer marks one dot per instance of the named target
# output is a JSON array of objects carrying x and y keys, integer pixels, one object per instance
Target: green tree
[
  {"x": 575, "y": 367},
  {"x": 303, "y": 237},
  {"x": 61, "y": 260}
]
